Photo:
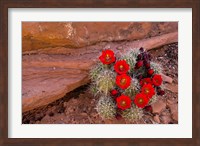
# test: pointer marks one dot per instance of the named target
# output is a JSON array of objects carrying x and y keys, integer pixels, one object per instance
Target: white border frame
[{"x": 181, "y": 130}]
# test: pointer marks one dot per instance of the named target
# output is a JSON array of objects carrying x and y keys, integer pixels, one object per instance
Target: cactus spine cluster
[
  {"x": 132, "y": 114},
  {"x": 106, "y": 107}
]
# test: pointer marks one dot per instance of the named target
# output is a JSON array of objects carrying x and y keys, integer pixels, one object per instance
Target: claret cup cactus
[{"x": 126, "y": 84}]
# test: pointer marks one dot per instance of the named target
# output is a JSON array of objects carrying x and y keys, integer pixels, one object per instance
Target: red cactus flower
[
  {"x": 141, "y": 100},
  {"x": 148, "y": 90},
  {"x": 123, "y": 81},
  {"x": 123, "y": 102},
  {"x": 121, "y": 67},
  {"x": 147, "y": 65},
  {"x": 150, "y": 72},
  {"x": 157, "y": 80},
  {"x": 114, "y": 92},
  {"x": 145, "y": 81},
  {"x": 107, "y": 57},
  {"x": 139, "y": 64}
]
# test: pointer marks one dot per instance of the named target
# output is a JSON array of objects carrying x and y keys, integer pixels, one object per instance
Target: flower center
[
  {"x": 146, "y": 90},
  {"x": 121, "y": 67},
  {"x": 140, "y": 100},
  {"x": 123, "y": 103},
  {"x": 108, "y": 57},
  {"x": 123, "y": 81}
]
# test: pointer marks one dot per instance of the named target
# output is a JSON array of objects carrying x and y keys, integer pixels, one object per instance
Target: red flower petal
[
  {"x": 139, "y": 64},
  {"x": 141, "y": 100},
  {"x": 157, "y": 80},
  {"x": 123, "y": 102},
  {"x": 145, "y": 81},
  {"x": 147, "y": 65},
  {"x": 148, "y": 90},
  {"x": 123, "y": 81},
  {"x": 107, "y": 57},
  {"x": 150, "y": 72},
  {"x": 121, "y": 67}
]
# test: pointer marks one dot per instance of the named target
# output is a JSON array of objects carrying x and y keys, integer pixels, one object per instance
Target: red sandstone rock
[
  {"x": 156, "y": 119},
  {"x": 171, "y": 101},
  {"x": 172, "y": 87},
  {"x": 167, "y": 78},
  {"x": 158, "y": 106},
  {"x": 174, "y": 111},
  {"x": 46, "y": 79},
  {"x": 166, "y": 119},
  {"x": 148, "y": 44},
  {"x": 39, "y": 35}
]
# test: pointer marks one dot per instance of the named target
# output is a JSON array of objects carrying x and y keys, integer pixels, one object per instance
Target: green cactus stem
[
  {"x": 106, "y": 107},
  {"x": 132, "y": 114}
]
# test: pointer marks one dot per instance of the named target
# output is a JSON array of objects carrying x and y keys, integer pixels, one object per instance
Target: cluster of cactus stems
[
  {"x": 103, "y": 80},
  {"x": 132, "y": 114},
  {"x": 106, "y": 107}
]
